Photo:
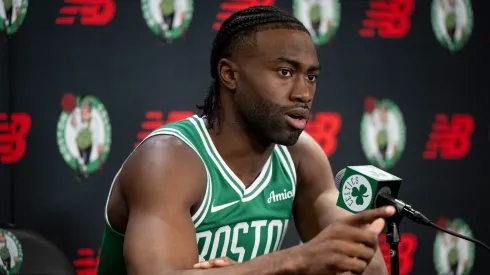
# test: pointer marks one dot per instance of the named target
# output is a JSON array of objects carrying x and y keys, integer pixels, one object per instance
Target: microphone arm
[
  {"x": 402, "y": 209},
  {"x": 405, "y": 210}
]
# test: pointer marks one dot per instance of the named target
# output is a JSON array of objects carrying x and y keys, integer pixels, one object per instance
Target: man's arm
[
  {"x": 316, "y": 196},
  {"x": 161, "y": 181}
]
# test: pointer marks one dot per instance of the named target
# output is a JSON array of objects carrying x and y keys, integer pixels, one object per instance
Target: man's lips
[
  {"x": 298, "y": 113},
  {"x": 297, "y": 118}
]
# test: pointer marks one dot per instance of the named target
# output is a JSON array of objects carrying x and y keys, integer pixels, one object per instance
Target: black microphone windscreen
[{"x": 338, "y": 178}]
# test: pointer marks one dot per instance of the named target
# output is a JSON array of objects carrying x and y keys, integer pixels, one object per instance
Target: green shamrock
[{"x": 359, "y": 194}]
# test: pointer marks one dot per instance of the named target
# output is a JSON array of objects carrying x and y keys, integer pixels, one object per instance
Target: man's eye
[
  {"x": 285, "y": 72},
  {"x": 312, "y": 77}
]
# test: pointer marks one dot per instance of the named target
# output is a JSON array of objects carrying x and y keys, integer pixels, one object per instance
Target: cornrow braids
[{"x": 238, "y": 31}]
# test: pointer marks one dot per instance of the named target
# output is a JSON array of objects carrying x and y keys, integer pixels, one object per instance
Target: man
[{"x": 224, "y": 184}]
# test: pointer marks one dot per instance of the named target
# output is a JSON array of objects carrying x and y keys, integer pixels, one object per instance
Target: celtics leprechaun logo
[
  {"x": 452, "y": 22},
  {"x": 320, "y": 17},
  {"x": 12, "y": 13},
  {"x": 453, "y": 255},
  {"x": 168, "y": 19},
  {"x": 11, "y": 255},
  {"x": 84, "y": 133},
  {"x": 382, "y": 132}
]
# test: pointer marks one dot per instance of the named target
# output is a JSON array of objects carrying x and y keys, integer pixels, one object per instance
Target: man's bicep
[
  {"x": 162, "y": 181},
  {"x": 154, "y": 244},
  {"x": 315, "y": 202}
]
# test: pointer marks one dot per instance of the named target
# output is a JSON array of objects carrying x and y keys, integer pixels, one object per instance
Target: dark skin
[{"x": 163, "y": 182}]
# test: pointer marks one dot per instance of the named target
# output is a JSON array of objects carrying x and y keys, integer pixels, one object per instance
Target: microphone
[{"x": 365, "y": 187}]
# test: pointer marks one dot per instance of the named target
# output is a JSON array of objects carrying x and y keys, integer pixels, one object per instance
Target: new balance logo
[
  {"x": 451, "y": 139},
  {"x": 92, "y": 12},
  {"x": 154, "y": 119},
  {"x": 323, "y": 127},
  {"x": 391, "y": 18},
  {"x": 13, "y": 132},
  {"x": 280, "y": 197},
  {"x": 231, "y": 6},
  {"x": 86, "y": 262}
]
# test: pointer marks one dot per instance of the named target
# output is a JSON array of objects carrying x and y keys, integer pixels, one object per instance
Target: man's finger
[
  {"x": 377, "y": 226},
  {"x": 220, "y": 262},
  {"x": 369, "y": 216},
  {"x": 204, "y": 265}
]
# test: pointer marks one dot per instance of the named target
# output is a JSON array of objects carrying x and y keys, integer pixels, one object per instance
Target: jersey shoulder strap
[{"x": 187, "y": 131}]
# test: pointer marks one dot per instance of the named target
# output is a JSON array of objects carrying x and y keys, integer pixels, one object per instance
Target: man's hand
[
  {"x": 219, "y": 262},
  {"x": 375, "y": 227},
  {"x": 316, "y": 197},
  {"x": 346, "y": 244}
]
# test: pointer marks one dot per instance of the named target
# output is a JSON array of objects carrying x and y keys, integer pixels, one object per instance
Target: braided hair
[{"x": 238, "y": 31}]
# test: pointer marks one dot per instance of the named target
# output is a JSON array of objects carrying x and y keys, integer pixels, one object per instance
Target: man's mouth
[
  {"x": 297, "y": 118},
  {"x": 298, "y": 113}
]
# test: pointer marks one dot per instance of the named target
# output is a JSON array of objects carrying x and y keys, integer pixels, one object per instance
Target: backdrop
[{"x": 404, "y": 87}]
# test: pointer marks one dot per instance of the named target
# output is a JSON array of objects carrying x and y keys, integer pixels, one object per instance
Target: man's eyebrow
[{"x": 297, "y": 64}]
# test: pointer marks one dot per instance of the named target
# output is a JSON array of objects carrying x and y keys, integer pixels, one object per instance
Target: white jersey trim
[{"x": 204, "y": 207}]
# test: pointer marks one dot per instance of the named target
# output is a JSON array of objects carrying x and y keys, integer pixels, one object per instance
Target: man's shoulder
[
  {"x": 159, "y": 159},
  {"x": 305, "y": 147},
  {"x": 159, "y": 152},
  {"x": 163, "y": 146}
]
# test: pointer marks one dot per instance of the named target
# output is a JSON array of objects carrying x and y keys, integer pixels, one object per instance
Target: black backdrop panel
[{"x": 138, "y": 75}]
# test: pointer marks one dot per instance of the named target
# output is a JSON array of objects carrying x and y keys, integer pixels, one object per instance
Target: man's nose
[{"x": 302, "y": 92}]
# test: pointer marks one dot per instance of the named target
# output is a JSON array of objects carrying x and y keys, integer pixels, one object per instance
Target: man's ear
[{"x": 227, "y": 70}]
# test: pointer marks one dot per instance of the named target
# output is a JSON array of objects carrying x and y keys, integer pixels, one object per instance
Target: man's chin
[{"x": 290, "y": 138}]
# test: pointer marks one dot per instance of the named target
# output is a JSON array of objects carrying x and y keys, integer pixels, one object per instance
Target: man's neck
[{"x": 242, "y": 151}]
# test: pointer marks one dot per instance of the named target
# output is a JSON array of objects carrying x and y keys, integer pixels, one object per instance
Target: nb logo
[
  {"x": 13, "y": 134},
  {"x": 154, "y": 119},
  {"x": 92, "y": 12},
  {"x": 323, "y": 127},
  {"x": 231, "y": 6},
  {"x": 450, "y": 138},
  {"x": 285, "y": 195},
  {"x": 390, "y": 18}
]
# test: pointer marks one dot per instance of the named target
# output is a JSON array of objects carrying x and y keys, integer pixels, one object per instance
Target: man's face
[
  {"x": 2, "y": 238},
  {"x": 452, "y": 3},
  {"x": 276, "y": 82}
]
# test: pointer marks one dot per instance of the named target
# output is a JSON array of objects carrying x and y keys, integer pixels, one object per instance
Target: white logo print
[
  {"x": 221, "y": 207},
  {"x": 280, "y": 197},
  {"x": 357, "y": 193}
]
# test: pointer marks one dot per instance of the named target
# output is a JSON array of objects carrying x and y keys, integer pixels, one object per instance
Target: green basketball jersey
[{"x": 234, "y": 221}]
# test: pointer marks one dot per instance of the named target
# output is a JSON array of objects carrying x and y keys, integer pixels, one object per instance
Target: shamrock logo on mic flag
[{"x": 359, "y": 194}]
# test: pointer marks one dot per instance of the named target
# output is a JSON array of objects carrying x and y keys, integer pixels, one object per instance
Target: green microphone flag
[{"x": 361, "y": 184}]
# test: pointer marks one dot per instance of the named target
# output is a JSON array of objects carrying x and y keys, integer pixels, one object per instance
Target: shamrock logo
[{"x": 359, "y": 194}]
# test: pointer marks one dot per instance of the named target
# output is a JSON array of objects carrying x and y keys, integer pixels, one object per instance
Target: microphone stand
[
  {"x": 393, "y": 223},
  {"x": 393, "y": 229},
  {"x": 393, "y": 238}
]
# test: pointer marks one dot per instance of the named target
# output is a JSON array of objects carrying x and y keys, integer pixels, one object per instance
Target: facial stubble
[{"x": 265, "y": 120}]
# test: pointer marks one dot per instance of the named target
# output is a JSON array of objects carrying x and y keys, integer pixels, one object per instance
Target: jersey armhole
[{"x": 202, "y": 210}]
